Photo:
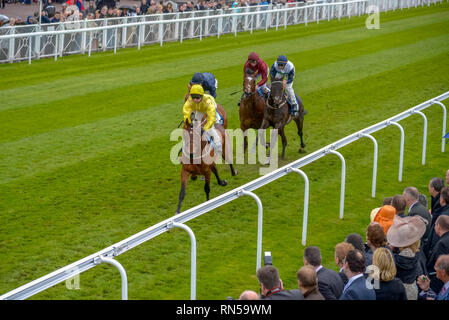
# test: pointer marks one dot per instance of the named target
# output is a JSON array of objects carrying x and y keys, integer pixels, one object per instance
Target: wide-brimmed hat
[
  {"x": 406, "y": 231},
  {"x": 373, "y": 214}
]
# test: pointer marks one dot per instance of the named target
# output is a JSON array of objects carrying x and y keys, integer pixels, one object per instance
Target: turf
[{"x": 85, "y": 153}]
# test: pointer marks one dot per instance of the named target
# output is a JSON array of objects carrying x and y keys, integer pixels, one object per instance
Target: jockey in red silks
[{"x": 260, "y": 69}]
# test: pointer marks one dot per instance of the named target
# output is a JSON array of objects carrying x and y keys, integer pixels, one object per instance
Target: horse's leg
[
  {"x": 215, "y": 171},
  {"x": 207, "y": 184},
  {"x": 182, "y": 193},
  {"x": 299, "y": 124},
  {"x": 284, "y": 140},
  {"x": 265, "y": 124}
]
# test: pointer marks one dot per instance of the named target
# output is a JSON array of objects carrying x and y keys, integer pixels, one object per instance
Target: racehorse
[
  {"x": 276, "y": 114},
  {"x": 252, "y": 106},
  {"x": 199, "y": 158}
]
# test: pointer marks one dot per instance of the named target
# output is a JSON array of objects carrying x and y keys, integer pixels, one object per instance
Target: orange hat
[{"x": 385, "y": 217}]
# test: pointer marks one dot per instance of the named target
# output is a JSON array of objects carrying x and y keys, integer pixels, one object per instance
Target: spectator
[
  {"x": 144, "y": 6},
  {"x": 386, "y": 286},
  {"x": 356, "y": 288},
  {"x": 441, "y": 248},
  {"x": 3, "y": 4},
  {"x": 308, "y": 283},
  {"x": 399, "y": 204},
  {"x": 189, "y": 6},
  {"x": 404, "y": 238},
  {"x": 356, "y": 240},
  {"x": 442, "y": 210},
  {"x": 341, "y": 250},
  {"x": 329, "y": 282},
  {"x": 385, "y": 217},
  {"x": 435, "y": 186},
  {"x": 249, "y": 295},
  {"x": 387, "y": 200},
  {"x": 442, "y": 271},
  {"x": 90, "y": 9},
  {"x": 271, "y": 286},
  {"x": 56, "y": 18},
  {"x": 423, "y": 200},
  {"x": 50, "y": 8},
  {"x": 411, "y": 195},
  {"x": 104, "y": 12},
  {"x": 375, "y": 238},
  {"x": 447, "y": 177}
]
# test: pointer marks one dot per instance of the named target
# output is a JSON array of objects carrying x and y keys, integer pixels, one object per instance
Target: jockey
[
  {"x": 207, "y": 80},
  {"x": 260, "y": 68},
  {"x": 199, "y": 101},
  {"x": 282, "y": 68}
]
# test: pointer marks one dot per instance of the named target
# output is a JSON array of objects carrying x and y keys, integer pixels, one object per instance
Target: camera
[{"x": 267, "y": 259}]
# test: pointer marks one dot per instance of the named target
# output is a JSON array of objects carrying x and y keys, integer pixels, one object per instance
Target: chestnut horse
[
  {"x": 252, "y": 106},
  {"x": 276, "y": 114},
  {"x": 198, "y": 156}
]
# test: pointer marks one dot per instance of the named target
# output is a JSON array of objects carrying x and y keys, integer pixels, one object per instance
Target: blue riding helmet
[
  {"x": 197, "y": 78},
  {"x": 282, "y": 59}
]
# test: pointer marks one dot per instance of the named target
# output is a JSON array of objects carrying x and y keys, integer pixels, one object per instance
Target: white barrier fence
[
  {"x": 80, "y": 37},
  {"x": 109, "y": 254}
]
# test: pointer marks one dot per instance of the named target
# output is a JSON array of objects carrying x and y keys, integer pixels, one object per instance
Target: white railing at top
[
  {"x": 109, "y": 254},
  {"x": 49, "y": 40}
]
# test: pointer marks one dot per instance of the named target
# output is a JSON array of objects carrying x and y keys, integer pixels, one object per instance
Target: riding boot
[{"x": 294, "y": 110}]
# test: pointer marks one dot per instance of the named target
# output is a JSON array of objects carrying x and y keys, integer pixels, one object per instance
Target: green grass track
[{"x": 85, "y": 153}]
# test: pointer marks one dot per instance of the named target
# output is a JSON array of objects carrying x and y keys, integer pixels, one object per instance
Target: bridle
[{"x": 281, "y": 104}]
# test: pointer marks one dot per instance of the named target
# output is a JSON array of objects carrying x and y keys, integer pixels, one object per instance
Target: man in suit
[
  {"x": 341, "y": 250},
  {"x": 357, "y": 287},
  {"x": 271, "y": 286},
  {"x": 441, "y": 248},
  {"x": 411, "y": 195},
  {"x": 329, "y": 282},
  {"x": 443, "y": 209},
  {"x": 442, "y": 271}
]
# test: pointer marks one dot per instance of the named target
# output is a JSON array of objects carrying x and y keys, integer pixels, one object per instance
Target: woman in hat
[
  {"x": 386, "y": 285},
  {"x": 385, "y": 216},
  {"x": 404, "y": 238}
]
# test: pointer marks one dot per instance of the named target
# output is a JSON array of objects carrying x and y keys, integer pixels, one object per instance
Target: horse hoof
[
  {"x": 267, "y": 145},
  {"x": 193, "y": 178},
  {"x": 302, "y": 150},
  {"x": 235, "y": 172},
  {"x": 223, "y": 183}
]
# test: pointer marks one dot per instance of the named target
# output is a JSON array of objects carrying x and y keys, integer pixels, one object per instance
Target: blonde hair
[
  {"x": 414, "y": 247},
  {"x": 383, "y": 259}
]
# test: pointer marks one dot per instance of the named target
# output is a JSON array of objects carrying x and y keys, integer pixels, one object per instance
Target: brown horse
[
  {"x": 198, "y": 156},
  {"x": 276, "y": 114},
  {"x": 252, "y": 106}
]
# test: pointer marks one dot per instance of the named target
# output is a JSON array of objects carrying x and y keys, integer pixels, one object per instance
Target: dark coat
[
  {"x": 441, "y": 247},
  {"x": 408, "y": 268},
  {"x": 358, "y": 290},
  {"x": 391, "y": 290},
  {"x": 330, "y": 284},
  {"x": 313, "y": 294},
  {"x": 343, "y": 277},
  {"x": 420, "y": 210},
  {"x": 294, "y": 294},
  {"x": 433, "y": 237}
]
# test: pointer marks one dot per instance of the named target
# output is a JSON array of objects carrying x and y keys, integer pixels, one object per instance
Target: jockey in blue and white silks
[{"x": 284, "y": 69}]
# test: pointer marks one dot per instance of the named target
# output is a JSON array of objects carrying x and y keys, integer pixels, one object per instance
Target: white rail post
[
  {"x": 29, "y": 49},
  {"x": 192, "y": 257},
  {"x": 343, "y": 178},
  {"x": 373, "y": 190},
  {"x": 122, "y": 271},
  {"x": 444, "y": 123},
  {"x": 259, "y": 225},
  {"x": 306, "y": 204},
  {"x": 424, "y": 142},
  {"x": 90, "y": 43},
  {"x": 115, "y": 40},
  {"x": 401, "y": 153}
]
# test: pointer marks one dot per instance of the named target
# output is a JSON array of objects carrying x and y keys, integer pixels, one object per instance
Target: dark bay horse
[
  {"x": 198, "y": 156},
  {"x": 276, "y": 114},
  {"x": 252, "y": 106}
]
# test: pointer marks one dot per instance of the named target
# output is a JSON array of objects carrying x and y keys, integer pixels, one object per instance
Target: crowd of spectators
[
  {"x": 100, "y": 9},
  {"x": 403, "y": 257}
]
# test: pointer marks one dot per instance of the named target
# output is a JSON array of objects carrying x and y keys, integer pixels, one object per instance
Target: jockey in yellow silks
[{"x": 199, "y": 101}]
